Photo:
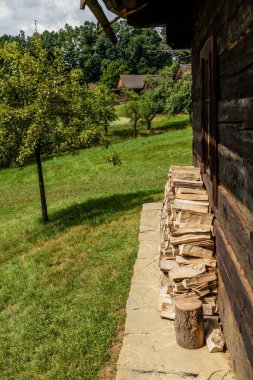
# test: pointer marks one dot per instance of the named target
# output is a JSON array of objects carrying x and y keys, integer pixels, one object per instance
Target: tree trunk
[
  {"x": 135, "y": 128},
  {"x": 106, "y": 128},
  {"x": 41, "y": 185},
  {"x": 149, "y": 125},
  {"x": 189, "y": 326}
]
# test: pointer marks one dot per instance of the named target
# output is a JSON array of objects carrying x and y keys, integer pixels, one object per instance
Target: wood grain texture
[
  {"x": 238, "y": 228},
  {"x": 239, "y": 57},
  {"x": 236, "y": 173},
  {"x": 236, "y": 111},
  {"x": 237, "y": 86},
  {"x": 237, "y": 139},
  {"x": 189, "y": 326},
  {"x": 239, "y": 291},
  {"x": 240, "y": 361},
  {"x": 235, "y": 26}
]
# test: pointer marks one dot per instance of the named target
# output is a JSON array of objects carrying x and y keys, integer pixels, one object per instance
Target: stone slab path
[{"x": 149, "y": 350}]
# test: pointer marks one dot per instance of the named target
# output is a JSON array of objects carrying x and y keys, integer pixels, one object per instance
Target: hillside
[{"x": 64, "y": 285}]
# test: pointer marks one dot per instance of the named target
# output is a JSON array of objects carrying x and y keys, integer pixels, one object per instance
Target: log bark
[{"x": 189, "y": 325}]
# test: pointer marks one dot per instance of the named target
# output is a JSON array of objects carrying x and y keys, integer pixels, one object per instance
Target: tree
[
  {"x": 103, "y": 106},
  {"x": 43, "y": 107},
  {"x": 179, "y": 99},
  {"x": 132, "y": 108},
  {"x": 151, "y": 105},
  {"x": 111, "y": 72}
]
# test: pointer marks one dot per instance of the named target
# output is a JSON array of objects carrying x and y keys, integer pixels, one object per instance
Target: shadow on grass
[
  {"x": 93, "y": 212},
  {"x": 171, "y": 126},
  {"x": 96, "y": 211},
  {"x": 166, "y": 126}
]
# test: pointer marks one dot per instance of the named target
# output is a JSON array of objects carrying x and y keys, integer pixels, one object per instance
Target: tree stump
[{"x": 189, "y": 326}]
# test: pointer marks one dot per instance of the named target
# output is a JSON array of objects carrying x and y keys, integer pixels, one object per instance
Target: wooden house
[
  {"x": 220, "y": 35},
  {"x": 130, "y": 82}
]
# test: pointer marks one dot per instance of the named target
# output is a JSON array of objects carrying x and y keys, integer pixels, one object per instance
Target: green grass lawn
[
  {"x": 64, "y": 285},
  {"x": 121, "y": 129}
]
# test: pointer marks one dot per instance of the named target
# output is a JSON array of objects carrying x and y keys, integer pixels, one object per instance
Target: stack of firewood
[{"x": 187, "y": 263}]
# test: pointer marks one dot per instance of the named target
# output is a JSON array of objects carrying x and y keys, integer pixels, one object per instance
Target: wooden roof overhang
[{"x": 175, "y": 15}]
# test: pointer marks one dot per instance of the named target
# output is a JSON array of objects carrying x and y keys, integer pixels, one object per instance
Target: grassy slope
[{"x": 63, "y": 286}]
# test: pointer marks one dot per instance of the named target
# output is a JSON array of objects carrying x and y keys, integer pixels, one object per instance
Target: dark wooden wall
[{"x": 231, "y": 21}]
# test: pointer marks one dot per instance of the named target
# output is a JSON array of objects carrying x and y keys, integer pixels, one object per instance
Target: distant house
[
  {"x": 130, "y": 82},
  {"x": 137, "y": 83}
]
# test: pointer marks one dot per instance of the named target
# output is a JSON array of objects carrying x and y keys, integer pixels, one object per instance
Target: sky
[{"x": 16, "y": 15}]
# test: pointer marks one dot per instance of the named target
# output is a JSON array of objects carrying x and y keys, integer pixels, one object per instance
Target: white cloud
[
  {"x": 49, "y": 14},
  {"x": 5, "y": 11}
]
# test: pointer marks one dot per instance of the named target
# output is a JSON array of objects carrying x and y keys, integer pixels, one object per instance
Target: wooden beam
[{"x": 98, "y": 12}]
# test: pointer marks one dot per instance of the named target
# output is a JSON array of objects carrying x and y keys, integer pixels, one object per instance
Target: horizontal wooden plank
[
  {"x": 238, "y": 228},
  {"x": 236, "y": 111},
  {"x": 239, "y": 291},
  {"x": 235, "y": 27},
  {"x": 213, "y": 15},
  {"x": 237, "y": 139},
  {"x": 236, "y": 87},
  {"x": 239, "y": 57},
  {"x": 236, "y": 173},
  {"x": 233, "y": 337}
]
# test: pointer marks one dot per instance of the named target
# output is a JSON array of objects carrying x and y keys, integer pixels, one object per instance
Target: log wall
[{"x": 231, "y": 21}]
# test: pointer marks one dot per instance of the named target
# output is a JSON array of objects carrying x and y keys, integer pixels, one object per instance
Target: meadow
[{"x": 64, "y": 285}]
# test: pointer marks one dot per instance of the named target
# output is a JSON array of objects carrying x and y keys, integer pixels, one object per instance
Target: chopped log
[
  {"x": 184, "y": 183},
  {"x": 168, "y": 311},
  {"x": 189, "y": 238},
  {"x": 165, "y": 280},
  {"x": 196, "y": 217},
  {"x": 192, "y": 197},
  {"x": 195, "y": 225},
  {"x": 187, "y": 272},
  {"x": 197, "y": 206},
  {"x": 207, "y": 244},
  {"x": 201, "y": 290},
  {"x": 185, "y": 260},
  {"x": 202, "y": 278},
  {"x": 175, "y": 250},
  {"x": 179, "y": 288},
  {"x": 167, "y": 264},
  {"x": 208, "y": 309},
  {"x": 164, "y": 297},
  {"x": 195, "y": 251},
  {"x": 189, "y": 295},
  {"x": 214, "y": 337},
  {"x": 210, "y": 300},
  {"x": 185, "y": 190},
  {"x": 189, "y": 326},
  {"x": 185, "y": 231}
]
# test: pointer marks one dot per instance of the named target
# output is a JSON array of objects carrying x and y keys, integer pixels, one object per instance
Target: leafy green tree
[
  {"x": 43, "y": 107},
  {"x": 179, "y": 99},
  {"x": 103, "y": 106},
  {"x": 111, "y": 72},
  {"x": 151, "y": 105},
  {"x": 132, "y": 108}
]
